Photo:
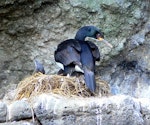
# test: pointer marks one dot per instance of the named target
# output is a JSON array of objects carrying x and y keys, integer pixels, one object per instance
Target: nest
[{"x": 63, "y": 85}]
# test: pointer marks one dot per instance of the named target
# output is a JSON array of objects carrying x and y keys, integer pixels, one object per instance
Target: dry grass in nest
[{"x": 63, "y": 85}]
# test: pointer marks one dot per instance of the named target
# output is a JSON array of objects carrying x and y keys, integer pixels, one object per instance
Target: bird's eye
[{"x": 100, "y": 34}]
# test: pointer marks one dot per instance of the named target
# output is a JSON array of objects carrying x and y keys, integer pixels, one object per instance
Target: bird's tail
[{"x": 90, "y": 79}]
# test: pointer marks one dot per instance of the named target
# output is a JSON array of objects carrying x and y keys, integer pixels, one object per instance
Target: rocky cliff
[
  {"x": 48, "y": 109},
  {"x": 32, "y": 30}
]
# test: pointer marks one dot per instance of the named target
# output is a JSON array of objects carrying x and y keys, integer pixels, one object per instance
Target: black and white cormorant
[{"x": 80, "y": 55}]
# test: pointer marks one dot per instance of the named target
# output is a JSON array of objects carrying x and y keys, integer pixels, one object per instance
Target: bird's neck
[
  {"x": 82, "y": 42},
  {"x": 80, "y": 37}
]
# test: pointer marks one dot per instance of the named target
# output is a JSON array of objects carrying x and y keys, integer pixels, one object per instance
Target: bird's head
[
  {"x": 91, "y": 31},
  {"x": 39, "y": 67}
]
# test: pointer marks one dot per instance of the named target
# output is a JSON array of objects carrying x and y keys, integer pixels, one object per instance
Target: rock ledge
[{"x": 50, "y": 109}]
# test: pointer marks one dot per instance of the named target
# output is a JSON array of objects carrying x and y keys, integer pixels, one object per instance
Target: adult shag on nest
[{"x": 80, "y": 55}]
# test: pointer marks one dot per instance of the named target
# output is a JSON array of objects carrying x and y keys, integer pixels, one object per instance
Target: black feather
[{"x": 90, "y": 79}]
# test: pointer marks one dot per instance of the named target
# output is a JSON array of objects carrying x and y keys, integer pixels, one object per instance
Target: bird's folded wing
[
  {"x": 95, "y": 51},
  {"x": 68, "y": 52}
]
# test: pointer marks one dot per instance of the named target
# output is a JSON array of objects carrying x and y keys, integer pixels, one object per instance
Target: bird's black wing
[
  {"x": 68, "y": 52},
  {"x": 95, "y": 51}
]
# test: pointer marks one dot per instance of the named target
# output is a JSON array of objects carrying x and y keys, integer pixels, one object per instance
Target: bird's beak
[{"x": 105, "y": 41}]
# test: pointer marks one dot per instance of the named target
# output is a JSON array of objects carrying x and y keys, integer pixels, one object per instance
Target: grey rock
[
  {"x": 30, "y": 30},
  {"x": 115, "y": 110},
  {"x": 145, "y": 106},
  {"x": 133, "y": 81},
  {"x": 33, "y": 29},
  {"x": 19, "y": 110},
  {"x": 50, "y": 109},
  {"x": 136, "y": 40},
  {"x": 18, "y": 123},
  {"x": 2, "y": 93},
  {"x": 3, "y": 111}
]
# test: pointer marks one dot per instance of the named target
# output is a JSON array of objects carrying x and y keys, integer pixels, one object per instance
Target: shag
[
  {"x": 38, "y": 67},
  {"x": 80, "y": 55}
]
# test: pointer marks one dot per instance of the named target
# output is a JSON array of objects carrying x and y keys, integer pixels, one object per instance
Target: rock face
[
  {"x": 3, "y": 112},
  {"x": 19, "y": 110},
  {"x": 32, "y": 30},
  {"x": 48, "y": 109},
  {"x": 119, "y": 110}
]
